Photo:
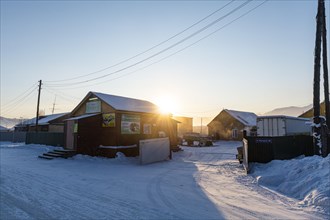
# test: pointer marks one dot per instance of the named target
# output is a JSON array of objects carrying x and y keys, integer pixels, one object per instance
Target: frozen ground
[{"x": 199, "y": 183}]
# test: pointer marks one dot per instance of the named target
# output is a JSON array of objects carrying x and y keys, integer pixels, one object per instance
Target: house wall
[
  {"x": 92, "y": 133},
  {"x": 185, "y": 125},
  {"x": 56, "y": 128},
  {"x": 221, "y": 127},
  {"x": 156, "y": 123},
  {"x": 81, "y": 110},
  {"x": 310, "y": 113},
  {"x": 40, "y": 128}
]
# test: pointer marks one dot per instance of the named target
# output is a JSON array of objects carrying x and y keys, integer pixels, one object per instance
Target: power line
[
  {"x": 160, "y": 52},
  {"x": 178, "y": 51},
  {"x": 61, "y": 94},
  {"x": 19, "y": 96},
  {"x": 14, "y": 106},
  {"x": 151, "y": 48}
]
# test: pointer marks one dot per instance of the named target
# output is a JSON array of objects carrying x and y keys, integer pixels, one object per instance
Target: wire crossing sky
[
  {"x": 197, "y": 55},
  {"x": 163, "y": 50}
]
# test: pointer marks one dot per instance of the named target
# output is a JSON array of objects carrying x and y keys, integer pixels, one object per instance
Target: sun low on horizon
[{"x": 168, "y": 104}]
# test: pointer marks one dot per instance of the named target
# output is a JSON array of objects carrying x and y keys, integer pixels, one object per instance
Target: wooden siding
[
  {"x": 91, "y": 134},
  {"x": 222, "y": 125},
  {"x": 310, "y": 113},
  {"x": 185, "y": 125},
  {"x": 56, "y": 128},
  {"x": 81, "y": 108}
]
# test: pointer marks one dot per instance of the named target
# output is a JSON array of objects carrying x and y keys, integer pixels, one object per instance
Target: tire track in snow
[
  {"x": 232, "y": 174},
  {"x": 157, "y": 196},
  {"x": 96, "y": 205}
]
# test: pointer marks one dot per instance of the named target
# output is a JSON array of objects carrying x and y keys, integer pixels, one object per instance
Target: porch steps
[
  {"x": 57, "y": 154},
  {"x": 45, "y": 157}
]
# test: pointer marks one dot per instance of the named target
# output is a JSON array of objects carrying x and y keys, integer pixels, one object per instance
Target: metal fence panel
[
  {"x": 13, "y": 136},
  {"x": 154, "y": 150},
  {"x": 266, "y": 149},
  {"x": 46, "y": 138}
]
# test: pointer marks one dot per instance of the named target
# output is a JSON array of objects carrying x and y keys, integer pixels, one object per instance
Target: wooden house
[
  {"x": 230, "y": 124},
  {"x": 101, "y": 124},
  {"x": 310, "y": 112}
]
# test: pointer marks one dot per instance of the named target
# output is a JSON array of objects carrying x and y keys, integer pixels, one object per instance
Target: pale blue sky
[{"x": 260, "y": 62}]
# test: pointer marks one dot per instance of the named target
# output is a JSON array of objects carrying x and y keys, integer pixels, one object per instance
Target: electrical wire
[
  {"x": 14, "y": 106},
  {"x": 61, "y": 94},
  {"x": 17, "y": 97},
  {"x": 178, "y": 51},
  {"x": 160, "y": 52},
  {"x": 151, "y": 48}
]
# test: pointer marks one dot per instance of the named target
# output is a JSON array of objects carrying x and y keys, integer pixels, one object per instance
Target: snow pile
[{"x": 306, "y": 179}]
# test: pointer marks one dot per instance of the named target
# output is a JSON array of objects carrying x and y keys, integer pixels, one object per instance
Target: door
[{"x": 69, "y": 143}]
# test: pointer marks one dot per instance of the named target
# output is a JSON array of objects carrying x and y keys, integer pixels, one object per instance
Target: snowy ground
[{"x": 199, "y": 183}]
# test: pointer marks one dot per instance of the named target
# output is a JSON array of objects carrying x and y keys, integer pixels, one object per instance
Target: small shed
[
  {"x": 230, "y": 125},
  {"x": 103, "y": 122}
]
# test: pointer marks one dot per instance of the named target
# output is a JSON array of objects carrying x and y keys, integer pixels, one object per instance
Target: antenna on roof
[{"x": 53, "y": 109}]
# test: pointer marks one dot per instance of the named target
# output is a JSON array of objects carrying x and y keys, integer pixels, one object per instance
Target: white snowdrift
[{"x": 306, "y": 179}]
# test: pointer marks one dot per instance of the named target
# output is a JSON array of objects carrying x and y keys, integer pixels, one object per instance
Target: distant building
[
  {"x": 310, "y": 112},
  {"x": 46, "y": 123},
  {"x": 230, "y": 124},
  {"x": 185, "y": 125},
  {"x": 103, "y": 122}
]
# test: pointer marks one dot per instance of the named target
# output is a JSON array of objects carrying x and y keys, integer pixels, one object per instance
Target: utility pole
[
  {"x": 37, "y": 117},
  {"x": 320, "y": 130},
  {"x": 325, "y": 68},
  {"x": 325, "y": 129}
]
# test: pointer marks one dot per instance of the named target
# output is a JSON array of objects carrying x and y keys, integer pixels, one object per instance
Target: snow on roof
[
  {"x": 127, "y": 104},
  {"x": 43, "y": 121},
  {"x": 49, "y": 118},
  {"x": 247, "y": 118}
]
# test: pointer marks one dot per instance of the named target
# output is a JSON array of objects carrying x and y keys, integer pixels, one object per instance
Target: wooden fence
[
  {"x": 46, "y": 138},
  {"x": 12, "y": 136}
]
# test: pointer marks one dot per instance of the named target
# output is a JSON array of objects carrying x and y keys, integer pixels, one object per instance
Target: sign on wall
[
  {"x": 109, "y": 120},
  {"x": 147, "y": 129},
  {"x": 93, "y": 107},
  {"x": 130, "y": 124}
]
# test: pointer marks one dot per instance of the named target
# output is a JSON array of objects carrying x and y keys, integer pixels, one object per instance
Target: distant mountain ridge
[
  {"x": 10, "y": 122},
  {"x": 289, "y": 111}
]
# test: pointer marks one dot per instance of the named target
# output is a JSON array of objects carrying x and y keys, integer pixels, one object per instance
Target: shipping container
[{"x": 280, "y": 125}]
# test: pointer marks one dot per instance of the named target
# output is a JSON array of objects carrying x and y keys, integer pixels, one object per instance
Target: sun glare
[{"x": 167, "y": 105}]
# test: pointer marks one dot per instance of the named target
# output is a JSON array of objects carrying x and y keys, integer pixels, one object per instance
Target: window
[
  {"x": 234, "y": 133},
  {"x": 147, "y": 129}
]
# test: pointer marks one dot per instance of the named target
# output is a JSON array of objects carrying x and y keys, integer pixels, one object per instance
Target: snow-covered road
[{"x": 199, "y": 183}]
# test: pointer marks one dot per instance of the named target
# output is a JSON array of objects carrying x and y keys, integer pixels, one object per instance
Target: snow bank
[{"x": 306, "y": 179}]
